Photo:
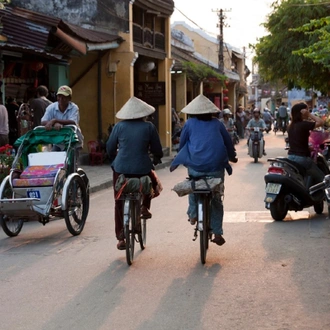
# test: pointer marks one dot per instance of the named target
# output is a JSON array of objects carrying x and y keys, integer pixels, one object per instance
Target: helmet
[
  {"x": 256, "y": 110},
  {"x": 226, "y": 112}
]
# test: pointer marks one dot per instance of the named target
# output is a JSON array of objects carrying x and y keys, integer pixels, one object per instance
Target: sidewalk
[{"x": 100, "y": 176}]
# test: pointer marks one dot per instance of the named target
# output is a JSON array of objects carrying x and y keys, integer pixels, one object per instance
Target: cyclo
[{"x": 45, "y": 185}]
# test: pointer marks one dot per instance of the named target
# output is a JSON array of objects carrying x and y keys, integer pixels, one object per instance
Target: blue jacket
[
  {"x": 205, "y": 146},
  {"x": 129, "y": 145}
]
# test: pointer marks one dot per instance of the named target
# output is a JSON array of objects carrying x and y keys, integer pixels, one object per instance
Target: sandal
[
  {"x": 192, "y": 221},
  {"x": 121, "y": 245},
  {"x": 219, "y": 240}
]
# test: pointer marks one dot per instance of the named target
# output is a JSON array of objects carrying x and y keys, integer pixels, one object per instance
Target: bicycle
[
  {"x": 135, "y": 227},
  {"x": 203, "y": 226}
]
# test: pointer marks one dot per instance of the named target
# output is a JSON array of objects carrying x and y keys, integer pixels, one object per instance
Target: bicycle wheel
[
  {"x": 129, "y": 228},
  {"x": 203, "y": 230},
  {"x": 11, "y": 226},
  {"x": 140, "y": 225},
  {"x": 76, "y": 210},
  {"x": 143, "y": 234}
]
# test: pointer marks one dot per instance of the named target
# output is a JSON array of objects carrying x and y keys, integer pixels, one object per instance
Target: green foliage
[
  {"x": 319, "y": 51},
  {"x": 200, "y": 72},
  {"x": 276, "y": 53}
]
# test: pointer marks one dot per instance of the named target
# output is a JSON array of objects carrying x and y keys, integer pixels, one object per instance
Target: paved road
[{"x": 268, "y": 276}]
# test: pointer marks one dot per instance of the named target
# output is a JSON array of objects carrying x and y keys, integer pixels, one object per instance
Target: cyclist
[
  {"x": 205, "y": 149},
  {"x": 128, "y": 148}
]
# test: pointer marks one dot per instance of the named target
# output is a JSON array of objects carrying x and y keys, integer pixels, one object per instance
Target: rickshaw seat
[
  {"x": 42, "y": 169},
  {"x": 46, "y": 158}
]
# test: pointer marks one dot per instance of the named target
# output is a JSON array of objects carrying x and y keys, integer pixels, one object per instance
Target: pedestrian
[
  {"x": 240, "y": 121},
  {"x": 4, "y": 127},
  {"x": 128, "y": 149},
  {"x": 205, "y": 149},
  {"x": 62, "y": 112},
  {"x": 12, "y": 109},
  {"x": 38, "y": 105}
]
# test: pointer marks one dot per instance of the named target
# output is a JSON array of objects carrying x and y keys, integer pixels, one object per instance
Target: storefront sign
[{"x": 152, "y": 93}]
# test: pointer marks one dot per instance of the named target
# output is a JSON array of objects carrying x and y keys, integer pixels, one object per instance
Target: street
[{"x": 269, "y": 275}]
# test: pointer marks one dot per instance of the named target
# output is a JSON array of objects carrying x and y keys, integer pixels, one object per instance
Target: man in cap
[
  {"x": 62, "y": 112},
  {"x": 128, "y": 148},
  {"x": 205, "y": 149}
]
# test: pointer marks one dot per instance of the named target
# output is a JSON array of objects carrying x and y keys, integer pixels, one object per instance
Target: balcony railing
[{"x": 148, "y": 38}]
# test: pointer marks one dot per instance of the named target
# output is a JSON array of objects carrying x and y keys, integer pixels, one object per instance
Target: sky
[{"x": 243, "y": 18}]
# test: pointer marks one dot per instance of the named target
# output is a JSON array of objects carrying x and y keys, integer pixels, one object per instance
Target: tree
[
  {"x": 318, "y": 52},
  {"x": 197, "y": 73},
  {"x": 275, "y": 53}
]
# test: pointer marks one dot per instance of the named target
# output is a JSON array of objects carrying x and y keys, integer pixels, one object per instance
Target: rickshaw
[{"x": 45, "y": 185}]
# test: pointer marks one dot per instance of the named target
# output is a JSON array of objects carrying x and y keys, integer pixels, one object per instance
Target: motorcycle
[
  {"x": 283, "y": 125},
  {"x": 256, "y": 143},
  {"x": 275, "y": 126},
  {"x": 287, "y": 185},
  {"x": 268, "y": 126}
]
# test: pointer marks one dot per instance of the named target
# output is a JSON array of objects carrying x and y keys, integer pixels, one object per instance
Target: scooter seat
[{"x": 299, "y": 167}]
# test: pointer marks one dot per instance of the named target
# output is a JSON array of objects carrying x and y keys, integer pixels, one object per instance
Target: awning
[
  {"x": 232, "y": 75},
  {"x": 238, "y": 55},
  {"x": 26, "y": 31}
]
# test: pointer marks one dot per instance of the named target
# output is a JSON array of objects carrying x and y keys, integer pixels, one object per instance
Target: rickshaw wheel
[
  {"x": 83, "y": 175},
  {"x": 75, "y": 213},
  {"x": 11, "y": 227}
]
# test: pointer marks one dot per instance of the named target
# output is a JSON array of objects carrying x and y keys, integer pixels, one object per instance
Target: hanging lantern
[
  {"x": 227, "y": 83},
  {"x": 36, "y": 66},
  {"x": 225, "y": 99},
  {"x": 225, "y": 91}
]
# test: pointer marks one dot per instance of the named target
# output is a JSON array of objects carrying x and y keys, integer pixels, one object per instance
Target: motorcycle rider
[
  {"x": 256, "y": 121},
  {"x": 302, "y": 123},
  {"x": 268, "y": 119},
  {"x": 229, "y": 123},
  {"x": 282, "y": 115}
]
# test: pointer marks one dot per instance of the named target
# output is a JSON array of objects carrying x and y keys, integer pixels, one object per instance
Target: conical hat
[
  {"x": 200, "y": 105},
  {"x": 135, "y": 108}
]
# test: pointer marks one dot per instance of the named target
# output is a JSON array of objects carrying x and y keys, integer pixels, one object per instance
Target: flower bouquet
[{"x": 6, "y": 160}]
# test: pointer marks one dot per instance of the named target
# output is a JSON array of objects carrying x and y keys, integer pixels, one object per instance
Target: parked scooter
[
  {"x": 256, "y": 143},
  {"x": 287, "y": 186}
]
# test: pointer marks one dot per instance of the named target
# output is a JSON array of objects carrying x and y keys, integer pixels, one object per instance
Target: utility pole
[
  {"x": 220, "y": 55},
  {"x": 220, "y": 25}
]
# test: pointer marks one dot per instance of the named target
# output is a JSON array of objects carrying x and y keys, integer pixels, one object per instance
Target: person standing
[
  {"x": 128, "y": 149},
  {"x": 38, "y": 105},
  {"x": 12, "y": 109},
  {"x": 240, "y": 121},
  {"x": 205, "y": 149},
  {"x": 4, "y": 127}
]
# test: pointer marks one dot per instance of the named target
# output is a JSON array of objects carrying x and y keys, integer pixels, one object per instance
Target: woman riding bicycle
[
  {"x": 128, "y": 148},
  {"x": 205, "y": 149}
]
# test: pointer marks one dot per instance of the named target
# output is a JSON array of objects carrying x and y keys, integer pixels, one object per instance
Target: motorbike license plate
[
  {"x": 256, "y": 129},
  {"x": 273, "y": 188},
  {"x": 31, "y": 193}
]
